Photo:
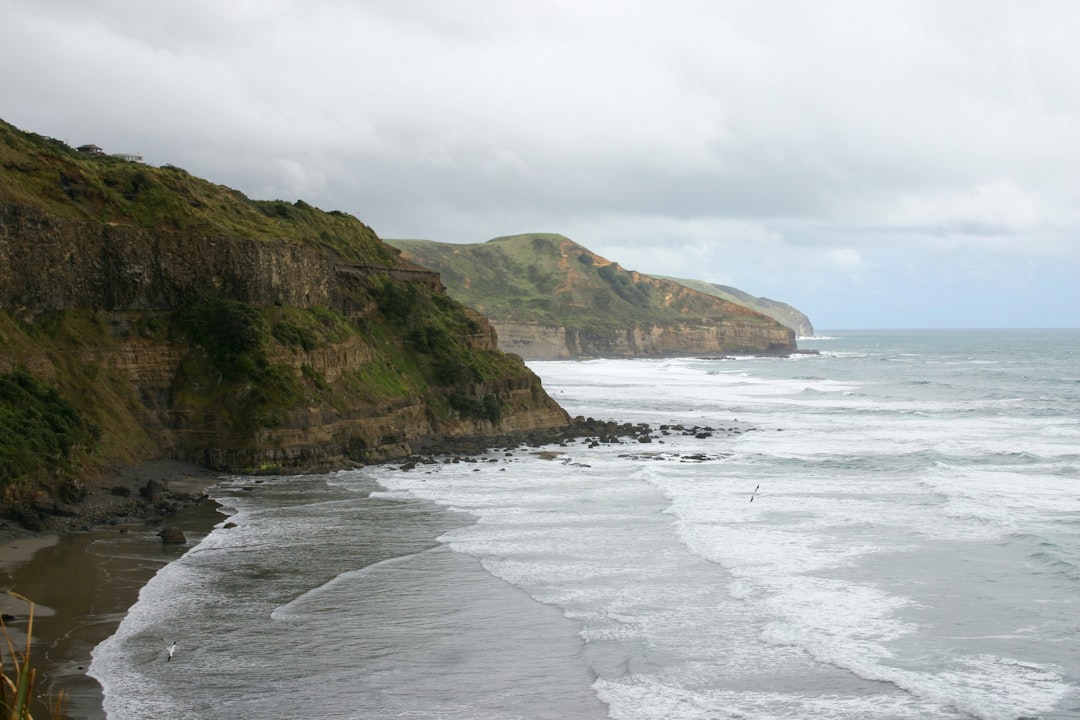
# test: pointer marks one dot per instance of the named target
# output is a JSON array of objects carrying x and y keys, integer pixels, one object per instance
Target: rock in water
[{"x": 172, "y": 535}]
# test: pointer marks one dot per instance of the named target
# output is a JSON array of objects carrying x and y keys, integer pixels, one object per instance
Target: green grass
[
  {"x": 781, "y": 312},
  {"x": 548, "y": 279},
  {"x": 17, "y": 683},
  {"x": 244, "y": 371},
  {"x": 51, "y": 176},
  {"x": 41, "y": 433}
]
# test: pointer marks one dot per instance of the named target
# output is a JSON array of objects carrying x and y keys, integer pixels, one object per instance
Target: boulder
[
  {"x": 153, "y": 491},
  {"x": 172, "y": 535}
]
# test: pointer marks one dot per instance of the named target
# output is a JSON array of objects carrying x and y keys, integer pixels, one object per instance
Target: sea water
[{"x": 889, "y": 529}]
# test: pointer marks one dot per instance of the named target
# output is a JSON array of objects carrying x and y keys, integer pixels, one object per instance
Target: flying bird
[
  {"x": 171, "y": 649},
  {"x": 754, "y": 493}
]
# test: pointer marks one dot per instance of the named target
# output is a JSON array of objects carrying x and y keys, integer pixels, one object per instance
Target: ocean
[{"x": 889, "y": 529}]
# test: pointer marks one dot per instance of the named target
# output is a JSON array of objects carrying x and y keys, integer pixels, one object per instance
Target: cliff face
[
  {"x": 545, "y": 342},
  {"x": 182, "y": 320},
  {"x": 782, "y": 312},
  {"x": 549, "y": 297},
  {"x": 50, "y": 262}
]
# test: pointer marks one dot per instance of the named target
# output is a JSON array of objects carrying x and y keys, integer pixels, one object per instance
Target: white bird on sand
[
  {"x": 171, "y": 649},
  {"x": 754, "y": 493}
]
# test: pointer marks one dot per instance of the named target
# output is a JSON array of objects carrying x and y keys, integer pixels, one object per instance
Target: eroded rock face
[
  {"x": 543, "y": 342},
  {"x": 551, "y": 298},
  {"x": 49, "y": 262},
  {"x": 122, "y": 274}
]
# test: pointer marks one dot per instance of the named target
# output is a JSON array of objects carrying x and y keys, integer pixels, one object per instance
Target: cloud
[
  {"x": 789, "y": 145},
  {"x": 992, "y": 208}
]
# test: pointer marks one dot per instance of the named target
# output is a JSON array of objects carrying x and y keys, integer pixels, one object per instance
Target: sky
[{"x": 875, "y": 163}]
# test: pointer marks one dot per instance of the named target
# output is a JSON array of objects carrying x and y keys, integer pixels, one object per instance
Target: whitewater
[{"x": 889, "y": 529}]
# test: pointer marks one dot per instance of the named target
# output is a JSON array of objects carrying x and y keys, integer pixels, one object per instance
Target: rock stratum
[
  {"x": 780, "y": 311},
  {"x": 550, "y": 298},
  {"x": 147, "y": 314}
]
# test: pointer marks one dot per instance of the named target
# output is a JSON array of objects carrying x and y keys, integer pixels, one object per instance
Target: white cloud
[
  {"x": 987, "y": 208},
  {"x": 779, "y": 143}
]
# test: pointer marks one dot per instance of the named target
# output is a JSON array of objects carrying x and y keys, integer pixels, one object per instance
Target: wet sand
[{"x": 82, "y": 585}]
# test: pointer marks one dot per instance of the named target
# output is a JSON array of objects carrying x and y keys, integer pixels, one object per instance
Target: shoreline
[
  {"x": 107, "y": 547},
  {"x": 83, "y": 580}
]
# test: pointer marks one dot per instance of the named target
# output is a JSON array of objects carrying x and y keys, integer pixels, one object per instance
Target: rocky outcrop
[
  {"x": 123, "y": 276},
  {"x": 185, "y": 321},
  {"x": 544, "y": 342},
  {"x": 49, "y": 262}
]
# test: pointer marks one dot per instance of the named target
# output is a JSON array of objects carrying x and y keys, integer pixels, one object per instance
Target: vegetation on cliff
[
  {"x": 44, "y": 173},
  {"x": 550, "y": 280},
  {"x": 147, "y": 313},
  {"x": 40, "y": 431},
  {"x": 782, "y": 312}
]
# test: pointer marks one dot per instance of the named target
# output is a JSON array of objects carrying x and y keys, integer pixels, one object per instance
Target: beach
[
  {"x": 83, "y": 582},
  {"x": 87, "y": 571}
]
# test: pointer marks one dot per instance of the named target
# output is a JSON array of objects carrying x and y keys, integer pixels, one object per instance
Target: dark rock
[
  {"x": 62, "y": 509},
  {"x": 121, "y": 491},
  {"x": 153, "y": 491},
  {"x": 172, "y": 535},
  {"x": 73, "y": 491},
  {"x": 30, "y": 519}
]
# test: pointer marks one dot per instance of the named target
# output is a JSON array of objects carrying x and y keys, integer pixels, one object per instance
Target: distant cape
[{"x": 549, "y": 297}]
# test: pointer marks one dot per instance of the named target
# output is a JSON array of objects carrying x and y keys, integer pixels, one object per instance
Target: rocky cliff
[
  {"x": 782, "y": 312},
  {"x": 549, "y": 297},
  {"x": 536, "y": 341},
  {"x": 156, "y": 315}
]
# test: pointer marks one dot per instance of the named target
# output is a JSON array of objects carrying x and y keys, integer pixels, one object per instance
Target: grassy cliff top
[
  {"x": 45, "y": 173},
  {"x": 549, "y": 279},
  {"x": 132, "y": 351}
]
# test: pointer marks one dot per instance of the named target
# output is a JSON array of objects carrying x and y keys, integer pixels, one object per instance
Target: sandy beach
[{"x": 82, "y": 583}]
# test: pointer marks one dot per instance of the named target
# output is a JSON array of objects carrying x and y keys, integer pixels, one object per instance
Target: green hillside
[
  {"x": 782, "y": 312},
  {"x": 146, "y": 313},
  {"x": 44, "y": 173},
  {"x": 549, "y": 279}
]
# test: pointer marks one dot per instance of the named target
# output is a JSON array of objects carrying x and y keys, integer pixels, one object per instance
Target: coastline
[
  {"x": 85, "y": 573},
  {"x": 82, "y": 581}
]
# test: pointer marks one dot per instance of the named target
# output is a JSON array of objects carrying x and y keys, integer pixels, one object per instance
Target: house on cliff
[{"x": 96, "y": 151}]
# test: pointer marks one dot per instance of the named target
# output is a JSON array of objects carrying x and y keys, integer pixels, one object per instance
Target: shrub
[
  {"x": 484, "y": 407},
  {"x": 228, "y": 330},
  {"x": 457, "y": 369},
  {"x": 396, "y": 300},
  {"x": 293, "y": 335},
  {"x": 39, "y": 429}
]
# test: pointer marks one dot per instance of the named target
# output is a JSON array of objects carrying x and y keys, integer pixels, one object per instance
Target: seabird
[
  {"x": 754, "y": 493},
  {"x": 171, "y": 649}
]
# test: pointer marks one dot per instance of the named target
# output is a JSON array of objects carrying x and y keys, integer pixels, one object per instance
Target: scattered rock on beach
[{"x": 153, "y": 490}]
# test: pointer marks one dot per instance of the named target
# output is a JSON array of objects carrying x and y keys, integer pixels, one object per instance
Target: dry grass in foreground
[{"x": 17, "y": 681}]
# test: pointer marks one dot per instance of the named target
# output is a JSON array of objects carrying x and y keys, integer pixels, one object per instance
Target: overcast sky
[{"x": 876, "y": 163}]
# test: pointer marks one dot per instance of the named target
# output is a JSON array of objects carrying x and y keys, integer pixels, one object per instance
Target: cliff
[
  {"x": 781, "y": 312},
  {"x": 550, "y": 298},
  {"x": 146, "y": 313}
]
